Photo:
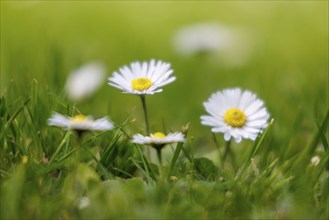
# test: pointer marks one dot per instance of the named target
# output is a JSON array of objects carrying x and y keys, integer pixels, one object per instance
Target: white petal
[
  {"x": 219, "y": 129},
  {"x": 59, "y": 120},
  {"x": 238, "y": 139},
  {"x": 209, "y": 120},
  {"x": 227, "y": 136},
  {"x": 165, "y": 82},
  {"x": 246, "y": 98},
  {"x": 254, "y": 107},
  {"x": 256, "y": 123},
  {"x": 261, "y": 114},
  {"x": 102, "y": 124},
  {"x": 251, "y": 129}
]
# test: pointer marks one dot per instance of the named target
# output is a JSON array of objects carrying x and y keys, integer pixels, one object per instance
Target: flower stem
[
  {"x": 217, "y": 146},
  {"x": 148, "y": 153},
  {"x": 160, "y": 162},
  {"x": 145, "y": 115},
  {"x": 227, "y": 150},
  {"x": 159, "y": 156}
]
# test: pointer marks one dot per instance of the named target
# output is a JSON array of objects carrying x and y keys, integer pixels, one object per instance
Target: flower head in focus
[
  {"x": 143, "y": 78},
  {"x": 82, "y": 82},
  {"x": 236, "y": 113}
]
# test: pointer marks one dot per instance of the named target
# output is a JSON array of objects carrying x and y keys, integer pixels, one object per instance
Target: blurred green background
[
  {"x": 41, "y": 42},
  {"x": 287, "y": 67}
]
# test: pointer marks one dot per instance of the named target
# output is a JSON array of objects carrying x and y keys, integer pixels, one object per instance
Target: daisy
[
  {"x": 158, "y": 140},
  {"x": 236, "y": 113},
  {"x": 202, "y": 37},
  {"x": 84, "y": 81},
  {"x": 231, "y": 45},
  {"x": 143, "y": 78},
  {"x": 80, "y": 123}
]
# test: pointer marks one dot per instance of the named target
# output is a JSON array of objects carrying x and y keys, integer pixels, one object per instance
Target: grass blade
[{"x": 253, "y": 152}]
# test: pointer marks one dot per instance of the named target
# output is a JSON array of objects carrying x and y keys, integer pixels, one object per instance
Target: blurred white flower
[
  {"x": 82, "y": 82},
  {"x": 234, "y": 45},
  {"x": 202, "y": 37},
  {"x": 315, "y": 160},
  {"x": 143, "y": 78},
  {"x": 79, "y": 123},
  {"x": 238, "y": 114},
  {"x": 159, "y": 138},
  {"x": 83, "y": 203}
]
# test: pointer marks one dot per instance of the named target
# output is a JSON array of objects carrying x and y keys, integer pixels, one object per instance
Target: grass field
[{"x": 281, "y": 55}]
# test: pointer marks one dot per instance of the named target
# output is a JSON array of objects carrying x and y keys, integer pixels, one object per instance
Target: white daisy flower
[
  {"x": 84, "y": 81},
  {"x": 231, "y": 45},
  {"x": 80, "y": 123},
  {"x": 203, "y": 37},
  {"x": 83, "y": 202},
  {"x": 143, "y": 78},
  {"x": 158, "y": 138},
  {"x": 238, "y": 114}
]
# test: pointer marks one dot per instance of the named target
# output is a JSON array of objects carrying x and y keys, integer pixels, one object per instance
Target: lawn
[{"x": 276, "y": 49}]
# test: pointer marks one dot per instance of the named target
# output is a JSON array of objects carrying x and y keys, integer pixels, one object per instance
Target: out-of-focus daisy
[
  {"x": 143, "y": 78},
  {"x": 158, "y": 140},
  {"x": 80, "y": 123},
  {"x": 82, "y": 82},
  {"x": 233, "y": 45},
  {"x": 202, "y": 37},
  {"x": 83, "y": 202},
  {"x": 236, "y": 113}
]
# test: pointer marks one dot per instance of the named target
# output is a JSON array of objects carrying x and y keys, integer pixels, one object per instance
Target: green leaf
[
  {"x": 206, "y": 168},
  {"x": 175, "y": 157}
]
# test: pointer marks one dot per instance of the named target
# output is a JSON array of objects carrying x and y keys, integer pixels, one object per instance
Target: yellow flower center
[
  {"x": 158, "y": 135},
  {"x": 235, "y": 118},
  {"x": 141, "y": 84},
  {"x": 79, "y": 118}
]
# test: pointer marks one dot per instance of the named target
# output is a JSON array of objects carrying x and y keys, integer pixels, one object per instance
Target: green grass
[{"x": 46, "y": 174}]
